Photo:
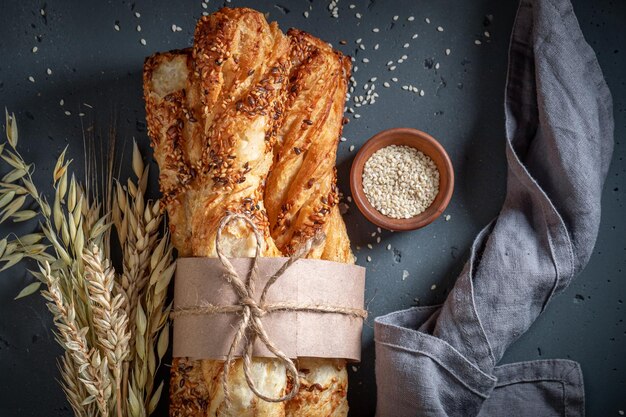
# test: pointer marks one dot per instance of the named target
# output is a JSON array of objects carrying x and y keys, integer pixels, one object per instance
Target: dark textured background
[{"x": 462, "y": 107}]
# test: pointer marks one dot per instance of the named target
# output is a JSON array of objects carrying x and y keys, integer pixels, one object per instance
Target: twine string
[{"x": 250, "y": 327}]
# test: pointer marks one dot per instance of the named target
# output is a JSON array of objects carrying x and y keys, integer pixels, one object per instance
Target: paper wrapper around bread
[{"x": 307, "y": 282}]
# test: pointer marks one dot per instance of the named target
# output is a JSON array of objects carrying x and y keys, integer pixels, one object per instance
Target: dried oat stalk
[{"x": 112, "y": 326}]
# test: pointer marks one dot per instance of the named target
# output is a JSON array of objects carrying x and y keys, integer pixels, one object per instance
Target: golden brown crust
[
  {"x": 303, "y": 176},
  {"x": 241, "y": 100}
]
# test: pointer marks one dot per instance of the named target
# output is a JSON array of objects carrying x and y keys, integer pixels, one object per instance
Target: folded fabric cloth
[{"x": 559, "y": 127}]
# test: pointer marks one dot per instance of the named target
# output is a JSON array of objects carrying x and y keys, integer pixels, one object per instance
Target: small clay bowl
[{"x": 420, "y": 141}]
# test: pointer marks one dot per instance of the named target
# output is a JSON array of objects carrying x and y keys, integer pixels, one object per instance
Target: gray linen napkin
[{"x": 441, "y": 361}]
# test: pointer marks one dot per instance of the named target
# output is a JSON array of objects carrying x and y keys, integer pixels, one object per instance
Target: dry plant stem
[
  {"x": 92, "y": 370},
  {"x": 88, "y": 300},
  {"x": 110, "y": 320}
]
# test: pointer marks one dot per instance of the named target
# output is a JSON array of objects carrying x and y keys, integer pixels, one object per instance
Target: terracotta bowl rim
[{"x": 417, "y": 139}]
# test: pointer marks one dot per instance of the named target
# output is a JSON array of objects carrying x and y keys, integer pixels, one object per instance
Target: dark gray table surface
[{"x": 462, "y": 107}]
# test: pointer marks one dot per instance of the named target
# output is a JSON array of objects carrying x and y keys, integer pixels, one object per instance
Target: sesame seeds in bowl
[{"x": 402, "y": 179}]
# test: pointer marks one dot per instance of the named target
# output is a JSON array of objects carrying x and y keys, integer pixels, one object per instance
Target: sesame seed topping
[
  {"x": 351, "y": 148},
  {"x": 395, "y": 18},
  {"x": 414, "y": 36},
  {"x": 406, "y": 45},
  {"x": 411, "y": 18},
  {"x": 306, "y": 14},
  {"x": 142, "y": 41},
  {"x": 49, "y": 71},
  {"x": 137, "y": 15},
  {"x": 448, "y": 51},
  {"x": 375, "y": 30},
  {"x": 31, "y": 79},
  {"x": 439, "y": 29},
  {"x": 405, "y": 274},
  {"x": 369, "y": 259},
  {"x": 68, "y": 113},
  {"x": 365, "y": 60},
  {"x": 477, "y": 42},
  {"x": 116, "y": 27},
  {"x": 389, "y": 246},
  {"x": 358, "y": 15},
  {"x": 386, "y": 84},
  {"x": 35, "y": 49},
  {"x": 433, "y": 287},
  {"x": 427, "y": 20}
]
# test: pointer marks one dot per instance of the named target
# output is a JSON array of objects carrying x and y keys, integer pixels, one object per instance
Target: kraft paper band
[{"x": 200, "y": 282}]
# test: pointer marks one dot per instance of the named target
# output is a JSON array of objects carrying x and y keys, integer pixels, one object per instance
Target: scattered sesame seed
[
  {"x": 357, "y": 116},
  {"x": 204, "y": 5},
  {"x": 386, "y": 84},
  {"x": 81, "y": 114},
  {"x": 400, "y": 61},
  {"x": 396, "y": 17},
  {"x": 487, "y": 34},
  {"x": 414, "y": 36},
  {"x": 137, "y": 15},
  {"x": 375, "y": 30},
  {"x": 477, "y": 42},
  {"x": 405, "y": 274},
  {"x": 433, "y": 287},
  {"x": 68, "y": 113},
  {"x": 369, "y": 246},
  {"x": 362, "y": 47},
  {"x": 138, "y": 28},
  {"x": 306, "y": 15},
  {"x": 394, "y": 79},
  {"x": 35, "y": 49},
  {"x": 351, "y": 148},
  {"x": 439, "y": 29},
  {"x": 389, "y": 63},
  {"x": 373, "y": 234},
  {"x": 173, "y": 28},
  {"x": 392, "y": 68},
  {"x": 31, "y": 79},
  {"x": 62, "y": 102},
  {"x": 343, "y": 139},
  {"x": 376, "y": 47},
  {"x": 422, "y": 93},
  {"x": 88, "y": 105},
  {"x": 447, "y": 217},
  {"x": 49, "y": 71},
  {"x": 437, "y": 65},
  {"x": 42, "y": 12},
  {"x": 389, "y": 246},
  {"x": 621, "y": 412},
  {"x": 352, "y": 6},
  {"x": 404, "y": 57},
  {"x": 369, "y": 259},
  {"x": 116, "y": 27},
  {"x": 406, "y": 45},
  {"x": 427, "y": 20},
  {"x": 365, "y": 60},
  {"x": 142, "y": 41},
  {"x": 411, "y": 18},
  {"x": 373, "y": 79},
  {"x": 405, "y": 87},
  {"x": 358, "y": 40},
  {"x": 379, "y": 230},
  {"x": 358, "y": 15},
  {"x": 448, "y": 51},
  {"x": 378, "y": 239},
  {"x": 349, "y": 199}
]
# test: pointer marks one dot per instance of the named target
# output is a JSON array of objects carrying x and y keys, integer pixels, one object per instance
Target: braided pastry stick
[{"x": 214, "y": 114}]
